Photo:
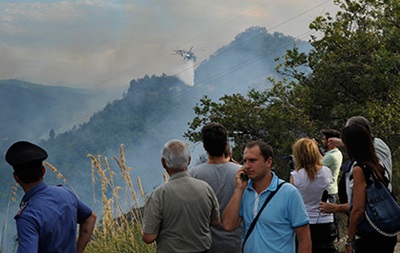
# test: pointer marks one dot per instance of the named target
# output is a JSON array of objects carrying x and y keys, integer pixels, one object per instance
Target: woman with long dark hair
[{"x": 360, "y": 148}]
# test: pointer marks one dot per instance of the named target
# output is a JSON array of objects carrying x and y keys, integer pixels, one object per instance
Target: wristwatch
[{"x": 349, "y": 242}]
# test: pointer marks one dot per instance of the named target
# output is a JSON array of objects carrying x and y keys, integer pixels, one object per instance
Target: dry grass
[{"x": 118, "y": 231}]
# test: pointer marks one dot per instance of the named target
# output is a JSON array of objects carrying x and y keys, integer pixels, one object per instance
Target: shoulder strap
[{"x": 253, "y": 224}]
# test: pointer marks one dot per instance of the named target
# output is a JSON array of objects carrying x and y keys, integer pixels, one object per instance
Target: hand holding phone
[{"x": 244, "y": 177}]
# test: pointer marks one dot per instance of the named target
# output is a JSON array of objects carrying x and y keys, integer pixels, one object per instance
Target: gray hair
[
  {"x": 359, "y": 120},
  {"x": 176, "y": 154}
]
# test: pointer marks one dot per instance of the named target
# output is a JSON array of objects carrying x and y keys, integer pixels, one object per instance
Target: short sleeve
[
  {"x": 83, "y": 210},
  {"x": 28, "y": 235},
  {"x": 295, "y": 176},
  {"x": 215, "y": 215},
  {"x": 297, "y": 212},
  {"x": 152, "y": 216}
]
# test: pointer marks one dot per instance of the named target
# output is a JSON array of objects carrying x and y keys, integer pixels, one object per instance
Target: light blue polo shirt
[{"x": 274, "y": 231}]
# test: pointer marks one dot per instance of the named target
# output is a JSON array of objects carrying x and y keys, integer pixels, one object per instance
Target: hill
[
  {"x": 153, "y": 110},
  {"x": 30, "y": 111},
  {"x": 245, "y": 63}
]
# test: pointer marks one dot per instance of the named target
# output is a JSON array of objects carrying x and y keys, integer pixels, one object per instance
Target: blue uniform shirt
[
  {"x": 274, "y": 231},
  {"x": 47, "y": 221}
]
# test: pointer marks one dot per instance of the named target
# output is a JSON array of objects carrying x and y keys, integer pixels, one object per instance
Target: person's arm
[
  {"x": 327, "y": 207},
  {"x": 303, "y": 239},
  {"x": 335, "y": 142},
  {"x": 149, "y": 238},
  {"x": 230, "y": 217},
  {"x": 359, "y": 196},
  {"x": 215, "y": 218},
  {"x": 85, "y": 232},
  {"x": 28, "y": 236},
  {"x": 152, "y": 218}
]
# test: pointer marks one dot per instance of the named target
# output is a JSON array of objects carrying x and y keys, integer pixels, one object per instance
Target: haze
[{"x": 102, "y": 43}]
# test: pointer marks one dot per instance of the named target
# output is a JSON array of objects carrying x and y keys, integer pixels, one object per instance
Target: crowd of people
[{"x": 222, "y": 206}]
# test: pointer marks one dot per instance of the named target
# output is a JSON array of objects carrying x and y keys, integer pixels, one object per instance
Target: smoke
[{"x": 185, "y": 72}]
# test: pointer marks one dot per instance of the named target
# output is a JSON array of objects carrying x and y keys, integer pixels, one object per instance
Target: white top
[
  {"x": 312, "y": 191},
  {"x": 385, "y": 159}
]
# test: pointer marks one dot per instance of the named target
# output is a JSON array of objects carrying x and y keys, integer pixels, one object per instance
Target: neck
[
  {"x": 263, "y": 183},
  {"x": 216, "y": 159},
  {"x": 27, "y": 187},
  {"x": 174, "y": 171}
]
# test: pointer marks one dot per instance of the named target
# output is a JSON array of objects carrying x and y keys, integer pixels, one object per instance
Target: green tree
[
  {"x": 352, "y": 69},
  {"x": 259, "y": 116}
]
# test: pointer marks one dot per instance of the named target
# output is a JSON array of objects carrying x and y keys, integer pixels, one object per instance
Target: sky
[{"x": 107, "y": 43}]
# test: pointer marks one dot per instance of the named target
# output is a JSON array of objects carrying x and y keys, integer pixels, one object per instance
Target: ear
[
  {"x": 269, "y": 162},
  {"x": 16, "y": 178},
  {"x": 190, "y": 159},
  {"x": 43, "y": 170},
  {"x": 164, "y": 164}
]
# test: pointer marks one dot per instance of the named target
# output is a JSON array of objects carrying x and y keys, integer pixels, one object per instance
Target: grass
[{"x": 117, "y": 231}]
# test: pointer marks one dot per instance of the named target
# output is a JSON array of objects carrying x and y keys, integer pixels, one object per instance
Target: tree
[
  {"x": 353, "y": 69},
  {"x": 261, "y": 116}
]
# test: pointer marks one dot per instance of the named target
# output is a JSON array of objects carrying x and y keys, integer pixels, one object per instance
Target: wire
[{"x": 210, "y": 79}]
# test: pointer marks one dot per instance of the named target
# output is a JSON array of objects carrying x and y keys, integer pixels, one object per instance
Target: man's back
[
  {"x": 49, "y": 216},
  {"x": 221, "y": 178},
  {"x": 180, "y": 212}
]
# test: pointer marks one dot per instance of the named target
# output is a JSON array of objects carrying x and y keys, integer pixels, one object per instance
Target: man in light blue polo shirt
[{"x": 282, "y": 221}]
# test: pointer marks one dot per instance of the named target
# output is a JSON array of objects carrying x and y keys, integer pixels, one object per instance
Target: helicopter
[{"x": 187, "y": 55}]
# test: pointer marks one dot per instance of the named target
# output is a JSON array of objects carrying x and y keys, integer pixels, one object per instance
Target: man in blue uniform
[{"x": 48, "y": 218}]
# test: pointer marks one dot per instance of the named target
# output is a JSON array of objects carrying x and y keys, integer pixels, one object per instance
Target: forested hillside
[
  {"x": 153, "y": 110},
  {"x": 245, "y": 62}
]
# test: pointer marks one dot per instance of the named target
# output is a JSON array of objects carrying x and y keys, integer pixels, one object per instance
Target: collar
[
  {"x": 332, "y": 150},
  {"x": 40, "y": 186},
  {"x": 272, "y": 186},
  {"x": 184, "y": 173}
]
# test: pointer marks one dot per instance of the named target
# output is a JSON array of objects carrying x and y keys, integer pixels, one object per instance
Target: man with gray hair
[
  {"x": 381, "y": 148},
  {"x": 178, "y": 215},
  {"x": 382, "y": 152}
]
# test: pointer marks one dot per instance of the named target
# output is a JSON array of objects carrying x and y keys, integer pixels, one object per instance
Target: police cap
[{"x": 23, "y": 152}]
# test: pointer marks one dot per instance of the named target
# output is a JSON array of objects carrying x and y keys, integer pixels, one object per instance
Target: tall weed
[{"x": 117, "y": 231}]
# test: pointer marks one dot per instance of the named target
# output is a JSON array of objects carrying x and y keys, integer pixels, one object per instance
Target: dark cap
[{"x": 23, "y": 152}]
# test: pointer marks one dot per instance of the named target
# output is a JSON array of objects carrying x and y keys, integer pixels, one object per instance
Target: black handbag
[{"x": 382, "y": 212}]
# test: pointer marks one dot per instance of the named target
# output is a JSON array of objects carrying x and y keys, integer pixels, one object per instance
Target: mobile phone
[
  {"x": 244, "y": 177},
  {"x": 324, "y": 196}
]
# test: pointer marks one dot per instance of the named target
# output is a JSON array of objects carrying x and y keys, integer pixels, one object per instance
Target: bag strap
[{"x": 253, "y": 223}]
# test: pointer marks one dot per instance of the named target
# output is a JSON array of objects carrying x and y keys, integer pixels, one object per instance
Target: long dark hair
[{"x": 360, "y": 147}]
